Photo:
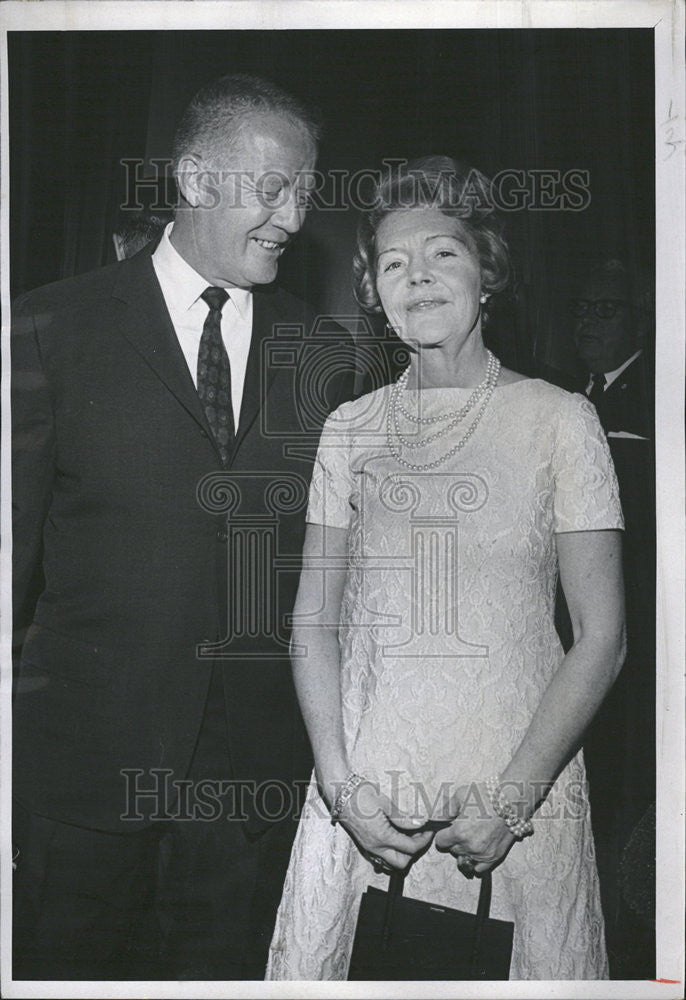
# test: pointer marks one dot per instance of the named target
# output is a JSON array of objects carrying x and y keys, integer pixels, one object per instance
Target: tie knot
[
  {"x": 215, "y": 297},
  {"x": 599, "y": 381}
]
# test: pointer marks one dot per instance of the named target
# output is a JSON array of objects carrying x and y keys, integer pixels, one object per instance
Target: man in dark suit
[
  {"x": 611, "y": 328},
  {"x": 611, "y": 324},
  {"x": 166, "y": 412}
]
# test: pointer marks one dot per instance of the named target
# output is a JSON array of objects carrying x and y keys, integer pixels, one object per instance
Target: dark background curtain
[
  {"x": 83, "y": 102},
  {"x": 78, "y": 103}
]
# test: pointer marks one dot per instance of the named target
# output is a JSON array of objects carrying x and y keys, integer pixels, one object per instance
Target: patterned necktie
[
  {"x": 214, "y": 374},
  {"x": 597, "y": 389}
]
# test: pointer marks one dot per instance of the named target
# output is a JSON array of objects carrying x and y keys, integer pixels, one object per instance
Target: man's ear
[{"x": 189, "y": 173}]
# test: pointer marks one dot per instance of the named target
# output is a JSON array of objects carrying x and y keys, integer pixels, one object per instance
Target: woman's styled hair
[
  {"x": 212, "y": 122},
  {"x": 455, "y": 189}
]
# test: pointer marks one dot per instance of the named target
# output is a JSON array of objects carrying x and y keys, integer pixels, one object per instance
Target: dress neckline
[{"x": 459, "y": 388}]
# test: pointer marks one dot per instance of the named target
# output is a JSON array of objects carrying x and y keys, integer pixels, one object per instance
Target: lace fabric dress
[{"x": 447, "y": 644}]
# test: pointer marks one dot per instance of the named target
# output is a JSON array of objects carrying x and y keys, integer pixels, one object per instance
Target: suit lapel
[
  {"x": 150, "y": 331},
  {"x": 259, "y": 376}
]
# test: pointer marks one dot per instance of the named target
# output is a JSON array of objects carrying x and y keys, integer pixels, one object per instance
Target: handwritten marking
[{"x": 669, "y": 140}]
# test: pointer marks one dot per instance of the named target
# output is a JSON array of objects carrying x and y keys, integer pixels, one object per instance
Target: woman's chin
[{"x": 426, "y": 339}]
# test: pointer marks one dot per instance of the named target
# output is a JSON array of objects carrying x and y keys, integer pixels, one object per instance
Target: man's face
[
  {"x": 247, "y": 207},
  {"x": 603, "y": 344}
]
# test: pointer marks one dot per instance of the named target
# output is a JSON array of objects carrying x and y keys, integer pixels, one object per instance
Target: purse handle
[{"x": 483, "y": 909}]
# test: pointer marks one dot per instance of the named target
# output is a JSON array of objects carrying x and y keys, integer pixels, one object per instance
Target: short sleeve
[
  {"x": 331, "y": 485},
  {"x": 586, "y": 495}
]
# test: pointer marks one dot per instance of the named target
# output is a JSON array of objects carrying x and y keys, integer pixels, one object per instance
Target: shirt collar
[{"x": 181, "y": 283}]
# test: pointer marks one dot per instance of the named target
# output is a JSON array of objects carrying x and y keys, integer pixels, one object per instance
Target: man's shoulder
[
  {"x": 68, "y": 293},
  {"x": 635, "y": 381},
  {"x": 639, "y": 367},
  {"x": 280, "y": 300},
  {"x": 290, "y": 308}
]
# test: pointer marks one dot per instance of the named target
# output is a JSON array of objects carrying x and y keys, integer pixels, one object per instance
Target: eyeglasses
[{"x": 602, "y": 308}]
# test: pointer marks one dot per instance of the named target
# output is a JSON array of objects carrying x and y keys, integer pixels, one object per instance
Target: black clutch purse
[{"x": 398, "y": 938}]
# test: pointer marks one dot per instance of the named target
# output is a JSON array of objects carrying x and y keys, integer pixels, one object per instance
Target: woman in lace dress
[{"x": 444, "y": 717}]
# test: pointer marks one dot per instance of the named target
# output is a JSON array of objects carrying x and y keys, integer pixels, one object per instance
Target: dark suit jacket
[
  {"x": 627, "y": 404},
  {"x": 110, "y": 493}
]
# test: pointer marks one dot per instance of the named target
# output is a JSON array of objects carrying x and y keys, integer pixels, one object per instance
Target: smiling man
[{"x": 157, "y": 742}]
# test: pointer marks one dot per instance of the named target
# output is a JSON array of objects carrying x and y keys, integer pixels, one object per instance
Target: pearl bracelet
[
  {"x": 502, "y": 807},
  {"x": 346, "y": 790}
]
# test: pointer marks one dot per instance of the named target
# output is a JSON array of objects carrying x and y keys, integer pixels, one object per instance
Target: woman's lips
[{"x": 424, "y": 304}]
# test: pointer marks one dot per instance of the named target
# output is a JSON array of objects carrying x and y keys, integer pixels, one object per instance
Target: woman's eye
[
  {"x": 392, "y": 265},
  {"x": 446, "y": 253}
]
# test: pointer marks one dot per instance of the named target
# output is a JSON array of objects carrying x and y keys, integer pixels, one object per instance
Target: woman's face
[{"x": 428, "y": 277}]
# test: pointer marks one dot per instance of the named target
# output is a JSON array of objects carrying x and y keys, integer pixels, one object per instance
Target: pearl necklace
[
  {"x": 476, "y": 395},
  {"x": 483, "y": 392},
  {"x": 452, "y": 417}
]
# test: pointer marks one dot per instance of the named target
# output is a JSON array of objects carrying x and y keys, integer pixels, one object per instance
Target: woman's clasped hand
[
  {"x": 477, "y": 837},
  {"x": 389, "y": 838},
  {"x": 467, "y": 827}
]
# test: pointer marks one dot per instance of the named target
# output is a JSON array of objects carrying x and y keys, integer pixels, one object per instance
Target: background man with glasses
[
  {"x": 612, "y": 334},
  {"x": 610, "y": 329}
]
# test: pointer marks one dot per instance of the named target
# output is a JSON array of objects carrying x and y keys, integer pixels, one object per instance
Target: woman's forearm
[
  {"x": 315, "y": 653},
  {"x": 316, "y": 674},
  {"x": 591, "y": 576},
  {"x": 568, "y": 705}
]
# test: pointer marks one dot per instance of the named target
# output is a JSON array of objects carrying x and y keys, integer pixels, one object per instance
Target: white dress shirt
[{"x": 182, "y": 287}]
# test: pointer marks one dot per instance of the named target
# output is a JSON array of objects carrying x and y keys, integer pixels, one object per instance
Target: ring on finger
[{"x": 379, "y": 864}]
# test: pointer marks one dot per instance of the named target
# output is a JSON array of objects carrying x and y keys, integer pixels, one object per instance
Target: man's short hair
[{"x": 212, "y": 121}]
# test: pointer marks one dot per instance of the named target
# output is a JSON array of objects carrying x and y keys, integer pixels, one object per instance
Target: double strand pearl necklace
[
  {"x": 453, "y": 417},
  {"x": 482, "y": 392}
]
